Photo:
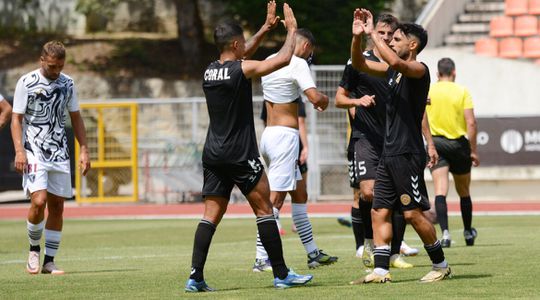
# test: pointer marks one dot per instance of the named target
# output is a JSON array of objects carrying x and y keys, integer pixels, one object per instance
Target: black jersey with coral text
[
  {"x": 404, "y": 111},
  {"x": 368, "y": 122},
  {"x": 231, "y": 133}
]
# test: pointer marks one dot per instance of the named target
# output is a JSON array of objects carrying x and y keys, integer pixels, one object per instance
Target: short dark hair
[
  {"x": 446, "y": 66},
  {"x": 54, "y": 49},
  {"x": 411, "y": 29},
  {"x": 308, "y": 35},
  {"x": 389, "y": 20},
  {"x": 225, "y": 32}
]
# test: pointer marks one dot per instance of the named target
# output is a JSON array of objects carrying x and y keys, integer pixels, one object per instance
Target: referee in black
[{"x": 399, "y": 182}]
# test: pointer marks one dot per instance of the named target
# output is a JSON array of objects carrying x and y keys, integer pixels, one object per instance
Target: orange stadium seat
[
  {"x": 531, "y": 47},
  {"x": 526, "y": 25},
  {"x": 534, "y": 7},
  {"x": 486, "y": 47},
  {"x": 501, "y": 26},
  {"x": 515, "y": 7},
  {"x": 511, "y": 47}
]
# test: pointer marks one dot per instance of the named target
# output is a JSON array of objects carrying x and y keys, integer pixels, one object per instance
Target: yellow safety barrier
[{"x": 111, "y": 130}]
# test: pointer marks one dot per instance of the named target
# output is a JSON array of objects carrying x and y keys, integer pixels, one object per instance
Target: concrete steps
[
  {"x": 474, "y": 22},
  {"x": 477, "y": 17},
  {"x": 463, "y": 39},
  {"x": 485, "y": 6}
]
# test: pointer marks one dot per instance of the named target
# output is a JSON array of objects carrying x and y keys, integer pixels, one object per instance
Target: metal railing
[{"x": 171, "y": 135}]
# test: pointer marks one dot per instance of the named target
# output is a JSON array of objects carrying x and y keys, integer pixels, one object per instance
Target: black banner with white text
[{"x": 509, "y": 141}]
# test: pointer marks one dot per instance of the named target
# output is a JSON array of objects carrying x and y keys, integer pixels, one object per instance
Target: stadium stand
[
  {"x": 473, "y": 23},
  {"x": 531, "y": 47},
  {"x": 526, "y": 25},
  {"x": 502, "y": 26},
  {"x": 515, "y": 7},
  {"x": 517, "y": 32},
  {"x": 511, "y": 47},
  {"x": 534, "y": 7},
  {"x": 487, "y": 47}
]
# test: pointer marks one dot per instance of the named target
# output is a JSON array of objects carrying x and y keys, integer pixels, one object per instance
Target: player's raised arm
[
  {"x": 271, "y": 22},
  {"x": 253, "y": 68},
  {"x": 395, "y": 58},
  {"x": 361, "y": 25}
]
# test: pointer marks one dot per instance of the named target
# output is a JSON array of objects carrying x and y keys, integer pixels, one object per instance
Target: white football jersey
[
  {"x": 43, "y": 103},
  {"x": 288, "y": 83}
]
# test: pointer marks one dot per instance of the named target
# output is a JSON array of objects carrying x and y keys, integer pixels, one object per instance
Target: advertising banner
[{"x": 509, "y": 141}]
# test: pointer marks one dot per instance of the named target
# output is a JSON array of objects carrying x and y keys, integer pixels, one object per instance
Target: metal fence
[
  {"x": 171, "y": 135},
  {"x": 111, "y": 132}
]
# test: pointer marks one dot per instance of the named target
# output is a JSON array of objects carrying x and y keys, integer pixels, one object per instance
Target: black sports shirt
[
  {"x": 231, "y": 133},
  {"x": 368, "y": 122},
  {"x": 404, "y": 113}
]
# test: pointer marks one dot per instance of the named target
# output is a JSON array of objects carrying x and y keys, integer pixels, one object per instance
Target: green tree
[
  {"x": 190, "y": 28},
  {"x": 330, "y": 22},
  {"x": 97, "y": 12}
]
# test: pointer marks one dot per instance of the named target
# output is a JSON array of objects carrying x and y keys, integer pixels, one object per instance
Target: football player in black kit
[
  {"x": 399, "y": 183},
  {"x": 364, "y": 97},
  {"x": 230, "y": 155}
]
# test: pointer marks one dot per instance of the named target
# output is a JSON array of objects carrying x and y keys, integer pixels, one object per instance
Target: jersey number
[{"x": 361, "y": 167}]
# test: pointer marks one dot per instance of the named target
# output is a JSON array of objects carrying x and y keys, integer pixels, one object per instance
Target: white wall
[{"x": 499, "y": 87}]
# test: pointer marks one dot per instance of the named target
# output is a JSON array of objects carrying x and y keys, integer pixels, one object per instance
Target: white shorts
[
  {"x": 279, "y": 147},
  {"x": 55, "y": 177}
]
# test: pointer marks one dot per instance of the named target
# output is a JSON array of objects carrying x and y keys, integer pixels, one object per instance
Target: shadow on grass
[
  {"x": 220, "y": 290},
  {"x": 488, "y": 245},
  {"x": 452, "y": 264},
  {"x": 454, "y": 277},
  {"x": 105, "y": 271}
]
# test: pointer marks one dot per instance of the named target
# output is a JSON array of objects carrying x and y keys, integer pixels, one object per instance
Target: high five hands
[
  {"x": 271, "y": 19},
  {"x": 362, "y": 22},
  {"x": 290, "y": 20}
]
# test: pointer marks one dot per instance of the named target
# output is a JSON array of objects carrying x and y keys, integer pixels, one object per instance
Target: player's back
[
  {"x": 286, "y": 84},
  {"x": 231, "y": 132}
]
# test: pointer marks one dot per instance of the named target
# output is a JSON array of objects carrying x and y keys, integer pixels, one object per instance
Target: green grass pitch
[{"x": 150, "y": 259}]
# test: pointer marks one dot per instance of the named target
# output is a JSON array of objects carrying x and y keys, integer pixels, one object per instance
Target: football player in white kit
[
  {"x": 41, "y": 150},
  {"x": 280, "y": 144}
]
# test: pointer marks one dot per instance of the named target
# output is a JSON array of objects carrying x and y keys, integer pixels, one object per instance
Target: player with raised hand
[
  {"x": 365, "y": 97},
  {"x": 230, "y": 155},
  {"x": 400, "y": 174}
]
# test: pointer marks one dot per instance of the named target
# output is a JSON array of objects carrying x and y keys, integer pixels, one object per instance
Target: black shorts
[
  {"x": 301, "y": 166},
  {"x": 400, "y": 183},
  {"x": 220, "y": 179},
  {"x": 363, "y": 159},
  {"x": 455, "y": 154}
]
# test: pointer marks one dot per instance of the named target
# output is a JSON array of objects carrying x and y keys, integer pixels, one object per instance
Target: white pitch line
[{"x": 114, "y": 257}]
